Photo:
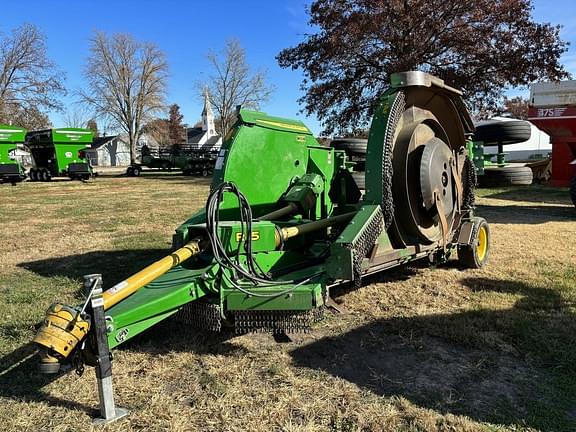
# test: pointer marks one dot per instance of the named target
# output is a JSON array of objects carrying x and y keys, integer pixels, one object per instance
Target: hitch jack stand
[{"x": 108, "y": 411}]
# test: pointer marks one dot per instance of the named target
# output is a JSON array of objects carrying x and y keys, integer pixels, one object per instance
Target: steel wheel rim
[{"x": 482, "y": 246}]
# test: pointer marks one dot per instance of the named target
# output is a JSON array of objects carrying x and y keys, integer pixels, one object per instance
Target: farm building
[{"x": 114, "y": 150}]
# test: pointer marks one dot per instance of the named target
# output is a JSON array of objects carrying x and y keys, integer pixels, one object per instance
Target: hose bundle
[{"x": 248, "y": 272}]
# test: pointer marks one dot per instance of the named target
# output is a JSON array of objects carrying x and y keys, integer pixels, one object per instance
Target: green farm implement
[
  {"x": 11, "y": 171},
  {"x": 285, "y": 222},
  {"x": 190, "y": 160},
  {"x": 59, "y": 153}
]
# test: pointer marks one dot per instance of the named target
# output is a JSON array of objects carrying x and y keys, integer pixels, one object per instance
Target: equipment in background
[
  {"x": 285, "y": 222},
  {"x": 191, "y": 160},
  {"x": 553, "y": 109},
  {"x": 59, "y": 153},
  {"x": 500, "y": 133},
  {"x": 11, "y": 170},
  {"x": 355, "y": 149}
]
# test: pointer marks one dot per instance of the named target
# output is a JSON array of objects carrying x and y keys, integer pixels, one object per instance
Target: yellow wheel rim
[{"x": 482, "y": 247}]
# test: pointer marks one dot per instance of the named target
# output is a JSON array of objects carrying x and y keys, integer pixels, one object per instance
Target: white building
[
  {"x": 205, "y": 137},
  {"x": 114, "y": 150}
]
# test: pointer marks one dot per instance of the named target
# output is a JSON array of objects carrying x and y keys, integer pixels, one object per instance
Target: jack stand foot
[
  {"x": 108, "y": 410},
  {"x": 120, "y": 412}
]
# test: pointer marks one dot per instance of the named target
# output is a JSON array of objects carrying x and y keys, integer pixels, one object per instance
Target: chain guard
[
  {"x": 276, "y": 322},
  {"x": 201, "y": 314},
  {"x": 364, "y": 244}
]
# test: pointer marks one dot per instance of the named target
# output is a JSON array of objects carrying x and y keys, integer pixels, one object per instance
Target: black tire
[
  {"x": 503, "y": 132},
  {"x": 130, "y": 171},
  {"x": 205, "y": 173},
  {"x": 476, "y": 254},
  {"x": 355, "y": 146},
  {"x": 506, "y": 176},
  {"x": 43, "y": 175},
  {"x": 32, "y": 174},
  {"x": 573, "y": 191},
  {"x": 136, "y": 171},
  {"x": 360, "y": 179}
]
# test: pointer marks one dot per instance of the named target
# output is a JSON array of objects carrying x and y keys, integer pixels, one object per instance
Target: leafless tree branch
[{"x": 126, "y": 82}]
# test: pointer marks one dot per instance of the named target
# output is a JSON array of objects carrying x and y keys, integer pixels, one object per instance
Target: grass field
[{"x": 419, "y": 349}]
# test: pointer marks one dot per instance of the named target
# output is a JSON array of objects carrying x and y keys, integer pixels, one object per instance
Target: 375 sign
[{"x": 551, "y": 112}]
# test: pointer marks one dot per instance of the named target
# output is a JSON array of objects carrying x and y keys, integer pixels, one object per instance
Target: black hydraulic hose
[
  {"x": 257, "y": 278},
  {"x": 289, "y": 209}
]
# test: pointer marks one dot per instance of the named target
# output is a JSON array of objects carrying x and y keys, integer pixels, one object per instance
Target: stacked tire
[
  {"x": 506, "y": 176},
  {"x": 355, "y": 149},
  {"x": 502, "y": 133}
]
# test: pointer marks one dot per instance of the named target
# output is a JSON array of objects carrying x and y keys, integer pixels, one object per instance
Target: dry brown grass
[{"x": 420, "y": 349}]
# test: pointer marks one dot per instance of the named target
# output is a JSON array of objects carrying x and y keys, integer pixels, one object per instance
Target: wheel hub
[
  {"x": 436, "y": 175},
  {"x": 423, "y": 181}
]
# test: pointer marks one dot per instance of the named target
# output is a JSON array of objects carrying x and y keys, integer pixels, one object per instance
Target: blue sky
[{"x": 187, "y": 30}]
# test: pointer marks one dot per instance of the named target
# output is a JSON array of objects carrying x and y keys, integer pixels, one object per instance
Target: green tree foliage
[{"x": 479, "y": 46}]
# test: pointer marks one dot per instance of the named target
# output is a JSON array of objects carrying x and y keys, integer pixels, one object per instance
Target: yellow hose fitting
[{"x": 62, "y": 330}]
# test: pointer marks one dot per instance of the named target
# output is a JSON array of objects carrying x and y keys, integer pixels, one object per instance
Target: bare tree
[
  {"x": 76, "y": 116},
  {"x": 126, "y": 82},
  {"x": 233, "y": 84},
  {"x": 29, "y": 81},
  {"x": 29, "y": 118}
]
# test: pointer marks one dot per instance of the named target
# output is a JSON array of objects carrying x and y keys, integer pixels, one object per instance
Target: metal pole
[{"x": 108, "y": 411}]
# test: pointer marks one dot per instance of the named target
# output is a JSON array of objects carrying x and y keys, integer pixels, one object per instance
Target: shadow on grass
[
  {"x": 520, "y": 214},
  {"x": 113, "y": 265},
  {"x": 512, "y": 366},
  {"x": 533, "y": 193},
  {"x": 21, "y": 380}
]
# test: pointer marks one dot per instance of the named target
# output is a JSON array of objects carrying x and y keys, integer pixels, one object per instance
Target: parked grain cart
[
  {"x": 11, "y": 170},
  {"x": 285, "y": 223},
  {"x": 59, "y": 153}
]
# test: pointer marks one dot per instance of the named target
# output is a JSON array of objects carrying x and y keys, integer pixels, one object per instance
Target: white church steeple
[{"x": 207, "y": 116}]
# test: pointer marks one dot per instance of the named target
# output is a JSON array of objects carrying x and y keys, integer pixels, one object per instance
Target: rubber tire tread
[
  {"x": 467, "y": 255},
  {"x": 350, "y": 145},
  {"x": 507, "y": 176},
  {"x": 505, "y": 132}
]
